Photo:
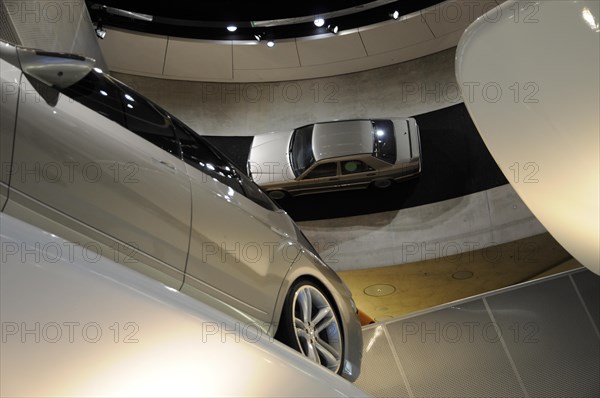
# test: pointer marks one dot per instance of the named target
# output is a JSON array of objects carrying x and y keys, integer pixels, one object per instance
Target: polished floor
[{"x": 387, "y": 292}]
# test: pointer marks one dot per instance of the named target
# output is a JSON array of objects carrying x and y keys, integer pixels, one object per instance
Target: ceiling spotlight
[
  {"x": 270, "y": 43},
  {"x": 232, "y": 28},
  {"x": 319, "y": 22},
  {"x": 333, "y": 29},
  {"x": 395, "y": 14},
  {"x": 99, "y": 31}
]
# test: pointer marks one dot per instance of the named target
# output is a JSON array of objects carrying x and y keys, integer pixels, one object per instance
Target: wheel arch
[
  {"x": 315, "y": 270},
  {"x": 295, "y": 274}
]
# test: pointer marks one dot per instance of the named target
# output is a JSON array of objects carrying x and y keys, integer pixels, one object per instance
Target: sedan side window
[
  {"x": 148, "y": 121},
  {"x": 254, "y": 193},
  {"x": 200, "y": 155},
  {"x": 355, "y": 166},
  {"x": 384, "y": 145},
  {"x": 98, "y": 94},
  {"x": 323, "y": 170}
]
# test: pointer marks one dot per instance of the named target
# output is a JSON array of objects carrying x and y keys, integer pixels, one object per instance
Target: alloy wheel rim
[{"x": 316, "y": 328}]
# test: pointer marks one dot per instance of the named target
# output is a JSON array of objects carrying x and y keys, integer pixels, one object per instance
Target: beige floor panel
[{"x": 388, "y": 292}]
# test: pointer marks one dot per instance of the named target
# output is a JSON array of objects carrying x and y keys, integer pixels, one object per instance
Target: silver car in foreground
[
  {"x": 89, "y": 159},
  {"x": 77, "y": 325},
  {"x": 336, "y": 155}
]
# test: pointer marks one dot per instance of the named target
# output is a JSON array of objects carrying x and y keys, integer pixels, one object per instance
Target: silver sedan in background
[{"x": 336, "y": 155}]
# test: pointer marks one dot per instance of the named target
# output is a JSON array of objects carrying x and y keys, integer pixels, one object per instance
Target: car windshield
[
  {"x": 301, "y": 152},
  {"x": 384, "y": 140}
]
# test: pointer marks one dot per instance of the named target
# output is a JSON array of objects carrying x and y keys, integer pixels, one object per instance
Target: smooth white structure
[{"x": 530, "y": 80}]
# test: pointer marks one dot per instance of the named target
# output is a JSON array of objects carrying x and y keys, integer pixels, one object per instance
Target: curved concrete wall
[
  {"x": 415, "y": 35},
  {"x": 431, "y": 231},
  {"x": 240, "y": 109}
]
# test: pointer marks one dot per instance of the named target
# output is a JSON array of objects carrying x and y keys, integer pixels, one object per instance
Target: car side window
[
  {"x": 323, "y": 170},
  {"x": 146, "y": 120},
  {"x": 355, "y": 166},
  {"x": 384, "y": 140},
  {"x": 97, "y": 93},
  {"x": 201, "y": 155},
  {"x": 197, "y": 153},
  {"x": 257, "y": 195}
]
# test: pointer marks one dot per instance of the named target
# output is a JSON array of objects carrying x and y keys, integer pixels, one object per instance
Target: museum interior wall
[
  {"x": 390, "y": 42},
  {"x": 243, "y": 109},
  {"x": 412, "y": 355},
  {"x": 417, "y": 86}
]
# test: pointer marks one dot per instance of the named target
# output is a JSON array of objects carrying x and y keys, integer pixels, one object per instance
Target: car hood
[{"x": 268, "y": 161}]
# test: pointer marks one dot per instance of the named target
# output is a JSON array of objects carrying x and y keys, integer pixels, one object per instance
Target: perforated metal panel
[
  {"x": 380, "y": 374},
  {"x": 60, "y": 26},
  {"x": 550, "y": 338},
  {"x": 538, "y": 339},
  {"x": 49, "y": 25},
  {"x": 588, "y": 286},
  {"x": 454, "y": 352},
  {"x": 7, "y": 31}
]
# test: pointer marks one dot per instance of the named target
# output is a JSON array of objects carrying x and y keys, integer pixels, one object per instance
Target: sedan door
[
  {"x": 11, "y": 77},
  {"x": 241, "y": 246},
  {"x": 102, "y": 160},
  {"x": 356, "y": 173},
  {"x": 321, "y": 176}
]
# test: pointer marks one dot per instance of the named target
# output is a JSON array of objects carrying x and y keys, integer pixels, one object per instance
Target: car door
[
  {"x": 241, "y": 245},
  {"x": 354, "y": 173},
  {"x": 11, "y": 77},
  {"x": 104, "y": 157},
  {"x": 324, "y": 175}
]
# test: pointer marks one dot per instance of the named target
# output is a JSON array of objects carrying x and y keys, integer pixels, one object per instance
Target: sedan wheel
[
  {"x": 310, "y": 325},
  {"x": 277, "y": 195},
  {"x": 382, "y": 183}
]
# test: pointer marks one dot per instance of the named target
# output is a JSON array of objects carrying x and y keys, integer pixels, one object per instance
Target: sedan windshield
[
  {"x": 384, "y": 141},
  {"x": 301, "y": 152}
]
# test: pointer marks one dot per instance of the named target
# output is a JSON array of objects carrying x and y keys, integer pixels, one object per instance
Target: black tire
[
  {"x": 320, "y": 340},
  {"x": 277, "y": 194},
  {"x": 381, "y": 184}
]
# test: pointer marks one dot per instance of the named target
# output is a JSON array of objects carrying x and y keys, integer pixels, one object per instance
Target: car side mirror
[
  {"x": 58, "y": 70},
  {"x": 48, "y": 93}
]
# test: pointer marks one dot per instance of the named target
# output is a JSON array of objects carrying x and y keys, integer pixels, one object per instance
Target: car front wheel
[{"x": 310, "y": 324}]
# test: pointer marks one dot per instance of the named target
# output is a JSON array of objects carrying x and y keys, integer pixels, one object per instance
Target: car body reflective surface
[
  {"x": 99, "y": 165},
  {"x": 336, "y": 155},
  {"x": 75, "y": 324}
]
